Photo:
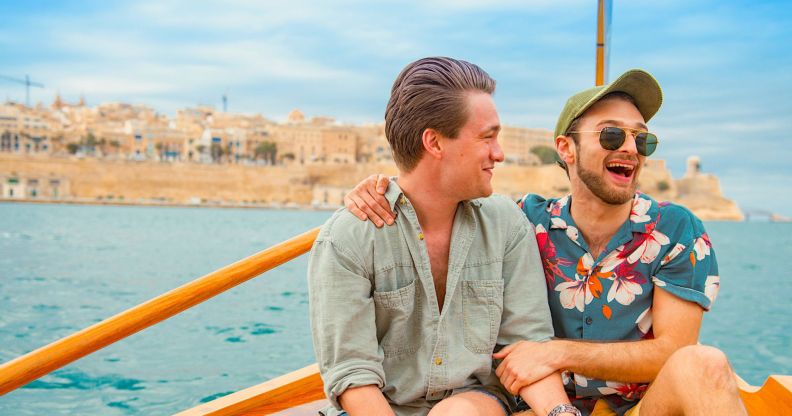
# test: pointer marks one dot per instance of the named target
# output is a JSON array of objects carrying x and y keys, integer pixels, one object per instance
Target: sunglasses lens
[
  {"x": 611, "y": 138},
  {"x": 646, "y": 143}
]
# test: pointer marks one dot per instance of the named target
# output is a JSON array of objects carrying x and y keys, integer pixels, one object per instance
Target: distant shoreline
[
  {"x": 294, "y": 207},
  {"x": 224, "y": 205}
]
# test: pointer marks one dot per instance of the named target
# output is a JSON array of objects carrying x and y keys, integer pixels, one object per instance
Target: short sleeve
[{"x": 689, "y": 269}]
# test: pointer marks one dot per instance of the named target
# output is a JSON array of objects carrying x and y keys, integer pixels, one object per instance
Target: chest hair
[{"x": 438, "y": 245}]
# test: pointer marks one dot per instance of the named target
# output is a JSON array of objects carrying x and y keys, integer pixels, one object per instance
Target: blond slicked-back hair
[{"x": 430, "y": 93}]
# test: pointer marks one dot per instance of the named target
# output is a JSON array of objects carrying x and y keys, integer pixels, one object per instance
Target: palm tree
[
  {"x": 268, "y": 151},
  {"x": 216, "y": 151}
]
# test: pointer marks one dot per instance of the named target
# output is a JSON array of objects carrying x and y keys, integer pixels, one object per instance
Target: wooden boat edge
[
  {"x": 281, "y": 393},
  {"x": 305, "y": 386}
]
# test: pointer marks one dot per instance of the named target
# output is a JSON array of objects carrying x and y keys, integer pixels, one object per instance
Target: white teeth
[{"x": 619, "y": 165}]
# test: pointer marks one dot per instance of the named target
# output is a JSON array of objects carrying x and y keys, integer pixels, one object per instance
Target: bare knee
[
  {"x": 454, "y": 406},
  {"x": 468, "y": 403},
  {"x": 702, "y": 363}
]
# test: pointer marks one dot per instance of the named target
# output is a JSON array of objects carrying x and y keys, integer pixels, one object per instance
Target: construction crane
[{"x": 28, "y": 83}]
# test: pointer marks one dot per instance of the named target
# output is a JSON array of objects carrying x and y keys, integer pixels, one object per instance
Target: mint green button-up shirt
[{"x": 375, "y": 315}]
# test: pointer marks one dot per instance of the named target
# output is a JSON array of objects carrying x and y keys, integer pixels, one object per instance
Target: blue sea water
[{"x": 65, "y": 267}]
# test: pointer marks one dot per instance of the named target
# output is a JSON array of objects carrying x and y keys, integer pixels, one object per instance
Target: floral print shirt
[{"x": 609, "y": 298}]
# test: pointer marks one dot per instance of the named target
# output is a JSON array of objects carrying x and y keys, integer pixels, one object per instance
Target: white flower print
[
  {"x": 624, "y": 289},
  {"x": 672, "y": 254},
  {"x": 612, "y": 260},
  {"x": 658, "y": 282},
  {"x": 581, "y": 380},
  {"x": 574, "y": 294},
  {"x": 644, "y": 321},
  {"x": 572, "y": 233},
  {"x": 650, "y": 248},
  {"x": 702, "y": 248},
  {"x": 540, "y": 230},
  {"x": 630, "y": 391},
  {"x": 611, "y": 388},
  {"x": 558, "y": 223},
  {"x": 563, "y": 201},
  {"x": 555, "y": 208},
  {"x": 711, "y": 287},
  {"x": 565, "y": 377},
  {"x": 640, "y": 208}
]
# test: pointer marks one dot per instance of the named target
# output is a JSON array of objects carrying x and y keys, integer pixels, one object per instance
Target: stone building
[
  {"x": 51, "y": 187},
  {"x": 328, "y": 196},
  {"x": 25, "y": 130},
  {"x": 153, "y": 139},
  {"x": 701, "y": 193},
  {"x": 372, "y": 146},
  {"x": 316, "y": 141}
]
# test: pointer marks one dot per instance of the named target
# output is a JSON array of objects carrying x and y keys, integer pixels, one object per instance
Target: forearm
[
  {"x": 629, "y": 361},
  {"x": 545, "y": 394},
  {"x": 365, "y": 400}
]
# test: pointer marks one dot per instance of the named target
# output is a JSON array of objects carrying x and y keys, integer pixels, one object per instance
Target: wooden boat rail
[
  {"x": 296, "y": 393},
  {"x": 31, "y": 366}
]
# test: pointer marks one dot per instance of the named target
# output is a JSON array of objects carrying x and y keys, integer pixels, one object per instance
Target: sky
[{"x": 725, "y": 66}]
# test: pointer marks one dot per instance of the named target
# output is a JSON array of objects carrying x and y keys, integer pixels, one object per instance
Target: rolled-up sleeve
[
  {"x": 342, "y": 319},
  {"x": 526, "y": 314}
]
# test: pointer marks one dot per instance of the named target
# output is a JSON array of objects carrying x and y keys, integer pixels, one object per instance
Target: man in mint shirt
[
  {"x": 628, "y": 278},
  {"x": 405, "y": 318}
]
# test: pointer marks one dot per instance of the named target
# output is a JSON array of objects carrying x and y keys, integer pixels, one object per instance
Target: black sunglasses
[{"x": 612, "y": 138}]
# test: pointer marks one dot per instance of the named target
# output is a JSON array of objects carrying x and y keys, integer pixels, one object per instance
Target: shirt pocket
[
  {"x": 398, "y": 318},
  {"x": 482, "y": 307}
]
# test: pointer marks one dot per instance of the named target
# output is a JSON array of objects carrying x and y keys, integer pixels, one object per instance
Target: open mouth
[{"x": 621, "y": 169}]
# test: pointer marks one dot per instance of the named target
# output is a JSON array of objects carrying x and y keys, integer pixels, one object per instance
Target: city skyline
[{"x": 722, "y": 66}]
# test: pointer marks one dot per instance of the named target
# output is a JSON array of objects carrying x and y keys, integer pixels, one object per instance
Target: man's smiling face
[
  {"x": 610, "y": 175},
  {"x": 471, "y": 156}
]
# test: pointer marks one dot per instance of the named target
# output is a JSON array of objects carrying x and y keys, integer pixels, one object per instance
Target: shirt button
[
  {"x": 403, "y": 201},
  {"x": 589, "y": 320},
  {"x": 420, "y": 236},
  {"x": 438, "y": 361}
]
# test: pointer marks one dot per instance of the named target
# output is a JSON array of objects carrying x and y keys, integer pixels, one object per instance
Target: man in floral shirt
[
  {"x": 605, "y": 249},
  {"x": 622, "y": 346}
]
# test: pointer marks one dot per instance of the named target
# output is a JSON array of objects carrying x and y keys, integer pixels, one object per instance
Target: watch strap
[{"x": 564, "y": 408}]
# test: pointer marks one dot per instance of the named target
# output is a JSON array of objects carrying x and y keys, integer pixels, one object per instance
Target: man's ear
[
  {"x": 431, "y": 143},
  {"x": 566, "y": 149}
]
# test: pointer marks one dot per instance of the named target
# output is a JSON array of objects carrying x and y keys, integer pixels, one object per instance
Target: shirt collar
[
  {"x": 395, "y": 193},
  {"x": 644, "y": 214},
  {"x": 645, "y": 211}
]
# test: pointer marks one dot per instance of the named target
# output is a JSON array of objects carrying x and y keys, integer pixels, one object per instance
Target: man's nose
[
  {"x": 629, "y": 144},
  {"x": 496, "y": 152}
]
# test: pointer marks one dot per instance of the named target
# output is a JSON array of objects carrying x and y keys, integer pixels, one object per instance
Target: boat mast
[{"x": 603, "y": 38}]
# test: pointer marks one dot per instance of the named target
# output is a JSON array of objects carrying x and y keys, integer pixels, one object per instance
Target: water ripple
[{"x": 75, "y": 379}]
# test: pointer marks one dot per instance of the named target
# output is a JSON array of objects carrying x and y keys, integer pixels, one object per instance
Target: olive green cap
[{"x": 637, "y": 83}]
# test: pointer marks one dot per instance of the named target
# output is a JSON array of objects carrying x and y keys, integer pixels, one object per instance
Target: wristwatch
[{"x": 564, "y": 408}]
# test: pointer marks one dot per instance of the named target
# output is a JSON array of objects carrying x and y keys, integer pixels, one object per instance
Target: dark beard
[{"x": 597, "y": 185}]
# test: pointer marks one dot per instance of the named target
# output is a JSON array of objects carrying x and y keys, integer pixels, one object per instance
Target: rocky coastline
[{"x": 52, "y": 179}]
